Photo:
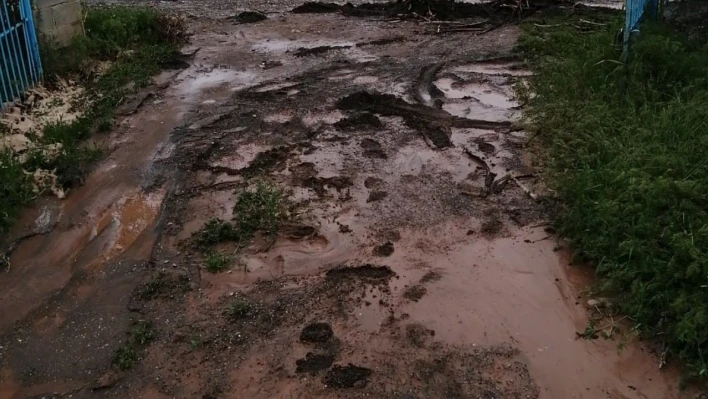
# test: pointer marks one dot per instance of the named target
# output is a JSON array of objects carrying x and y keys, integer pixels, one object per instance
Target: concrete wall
[{"x": 58, "y": 20}]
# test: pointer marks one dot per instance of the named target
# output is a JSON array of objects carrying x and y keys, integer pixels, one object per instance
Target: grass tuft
[
  {"x": 240, "y": 309},
  {"x": 215, "y": 262},
  {"x": 141, "y": 335},
  {"x": 625, "y": 149},
  {"x": 263, "y": 208}
]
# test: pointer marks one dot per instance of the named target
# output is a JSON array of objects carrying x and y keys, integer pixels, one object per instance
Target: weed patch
[
  {"x": 215, "y": 262},
  {"x": 240, "y": 309},
  {"x": 140, "y": 336},
  {"x": 625, "y": 149},
  {"x": 263, "y": 208}
]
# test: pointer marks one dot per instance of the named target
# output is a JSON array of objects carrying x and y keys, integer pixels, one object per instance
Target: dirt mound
[
  {"x": 366, "y": 272},
  {"x": 308, "y": 51},
  {"x": 364, "y": 120},
  {"x": 433, "y": 123},
  {"x": 312, "y": 363},
  {"x": 316, "y": 332},
  {"x": 266, "y": 161},
  {"x": 316, "y": 7},
  {"x": 377, "y": 195},
  {"x": 248, "y": 17},
  {"x": 349, "y": 376},
  {"x": 372, "y": 149}
]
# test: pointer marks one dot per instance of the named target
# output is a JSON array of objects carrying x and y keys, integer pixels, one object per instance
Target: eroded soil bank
[{"x": 418, "y": 267}]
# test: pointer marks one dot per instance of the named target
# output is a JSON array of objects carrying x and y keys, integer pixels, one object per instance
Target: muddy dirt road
[{"x": 414, "y": 266}]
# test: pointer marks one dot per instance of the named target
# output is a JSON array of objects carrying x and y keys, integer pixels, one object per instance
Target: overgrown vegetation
[
  {"x": 626, "y": 151},
  {"x": 263, "y": 208},
  {"x": 141, "y": 335},
  {"x": 136, "y": 43}
]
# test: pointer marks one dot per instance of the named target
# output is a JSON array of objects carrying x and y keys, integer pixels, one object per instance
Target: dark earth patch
[
  {"x": 383, "y": 250},
  {"x": 372, "y": 149},
  {"x": 415, "y": 293},
  {"x": 312, "y": 363},
  {"x": 377, "y": 195},
  {"x": 248, "y": 17},
  {"x": 316, "y": 332},
  {"x": 364, "y": 272},
  {"x": 364, "y": 120},
  {"x": 308, "y": 51},
  {"x": 350, "y": 376},
  {"x": 418, "y": 335}
]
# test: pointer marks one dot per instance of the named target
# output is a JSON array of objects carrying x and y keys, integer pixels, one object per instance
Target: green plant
[
  {"x": 241, "y": 308},
  {"x": 195, "y": 341},
  {"x": 625, "y": 149},
  {"x": 214, "y": 232},
  {"x": 215, "y": 262},
  {"x": 263, "y": 208},
  {"x": 141, "y": 335}
]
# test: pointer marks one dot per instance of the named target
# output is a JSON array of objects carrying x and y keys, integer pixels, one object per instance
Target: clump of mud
[
  {"x": 312, "y": 363},
  {"x": 415, "y": 293},
  {"x": 266, "y": 161},
  {"x": 430, "y": 277},
  {"x": 248, "y": 17},
  {"x": 492, "y": 226},
  {"x": 383, "y": 250},
  {"x": 366, "y": 272},
  {"x": 350, "y": 376},
  {"x": 377, "y": 195},
  {"x": 372, "y": 149},
  {"x": 316, "y": 7},
  {"x": 364, "y": 120},
  {"x": 316, "y": 332},
  {"x": 418, "y": 335},
  {"x": 308, "y": 51}
]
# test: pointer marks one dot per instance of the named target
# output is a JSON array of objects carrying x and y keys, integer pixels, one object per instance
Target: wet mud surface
[{"x": 417, "y": 265}]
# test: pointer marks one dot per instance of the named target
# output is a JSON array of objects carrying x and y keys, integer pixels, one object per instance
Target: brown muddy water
[{"x": 428, "y": 272}]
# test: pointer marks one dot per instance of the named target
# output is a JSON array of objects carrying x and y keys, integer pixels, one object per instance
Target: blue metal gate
[
  {"x": 20, "y": 65},
  {"x": 635, "y": 10}
]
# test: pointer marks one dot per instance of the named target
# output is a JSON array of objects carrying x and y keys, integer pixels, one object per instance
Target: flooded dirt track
[{"x": 416, "y": 264}]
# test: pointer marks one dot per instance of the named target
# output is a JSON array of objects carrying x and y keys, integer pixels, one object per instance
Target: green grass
[
  {"x": 137, "y": 42},
  {"x": 262, "y": 208},
  {"x": 626, "y": 152},
  {"x": 140, "y": 336},
  {"x": 215, "y": 262}
]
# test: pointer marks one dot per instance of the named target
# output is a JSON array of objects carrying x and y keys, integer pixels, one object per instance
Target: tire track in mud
[{"x": 421, "y": 276}]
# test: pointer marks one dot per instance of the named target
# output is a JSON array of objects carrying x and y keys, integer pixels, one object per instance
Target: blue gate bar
[
  {"x": 634, "y": 11},
  {"x": 20, "y": 64}
]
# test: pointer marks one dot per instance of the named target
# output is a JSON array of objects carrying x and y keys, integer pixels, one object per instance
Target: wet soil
[{"x": 474, "y": 301}]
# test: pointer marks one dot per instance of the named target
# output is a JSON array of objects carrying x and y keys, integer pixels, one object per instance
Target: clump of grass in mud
[
  {"x": 137, "y": 43},
  {"x": 141, "y": 335},
  {"x": 215, "y": 262},
  {"x": 625, "y": 149},
  {"x": 240, "y": 309},
  {"x": 263, "y": 208}
]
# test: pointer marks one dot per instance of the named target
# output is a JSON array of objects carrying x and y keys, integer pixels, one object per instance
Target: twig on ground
[{"x": 525, "y": 189}]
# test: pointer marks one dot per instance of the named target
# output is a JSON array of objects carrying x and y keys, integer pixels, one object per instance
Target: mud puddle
[{"x": 414, "y": 262}]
